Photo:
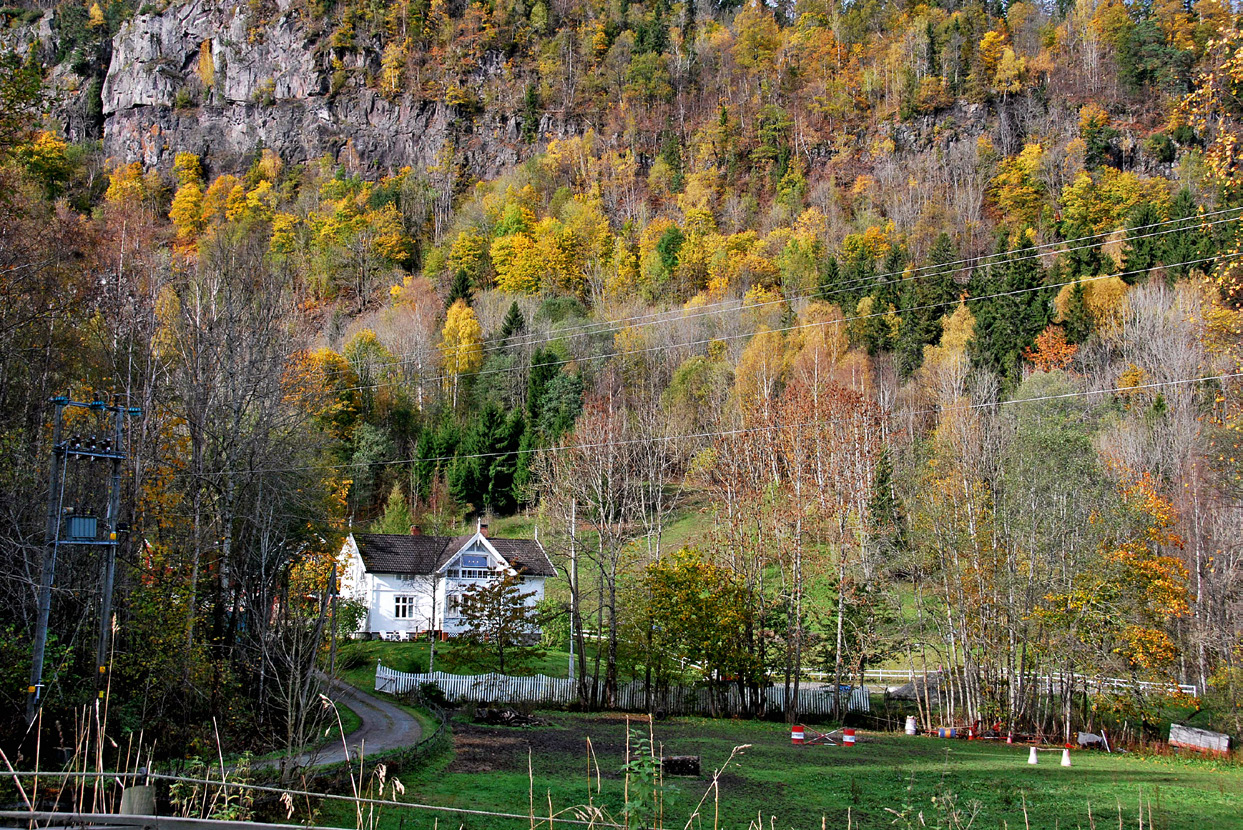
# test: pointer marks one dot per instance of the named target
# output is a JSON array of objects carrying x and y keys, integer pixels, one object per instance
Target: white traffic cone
[
  {"x": 1031, "y": 755},
  {"x": 1065, "y": 757}
]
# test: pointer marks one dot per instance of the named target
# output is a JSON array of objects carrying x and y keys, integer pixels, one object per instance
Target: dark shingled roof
[
  {"x": 525, "y": 556},
  {"x": 409, "y": 554}
]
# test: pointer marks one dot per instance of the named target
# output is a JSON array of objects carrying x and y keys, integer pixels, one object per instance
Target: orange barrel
[
  {"x": 796, "y": 735},
  {"x": 848, "y": 737}
]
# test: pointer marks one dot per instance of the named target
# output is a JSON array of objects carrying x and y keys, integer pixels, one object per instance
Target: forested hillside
[{"x": 920, "y": 323}]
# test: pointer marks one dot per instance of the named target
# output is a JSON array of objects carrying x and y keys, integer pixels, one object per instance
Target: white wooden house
[{"x": 411, "y": 584}]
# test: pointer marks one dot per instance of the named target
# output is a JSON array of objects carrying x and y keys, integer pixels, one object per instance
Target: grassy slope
[
  {"x": 414, "y": 657},
  {"x": 799, "y": 785}
]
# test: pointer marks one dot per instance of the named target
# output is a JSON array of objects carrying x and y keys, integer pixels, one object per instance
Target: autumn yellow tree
[{"x": 461, "y": 345}]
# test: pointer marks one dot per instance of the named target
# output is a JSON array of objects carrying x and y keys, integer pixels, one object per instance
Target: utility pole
[
  {"x": 332, "y": 599},
  {"x": 112, "y": 519},
  {"x": 55, "y": 493},
  {"x": 83, "y": 530},
  {"x": 573, "y": 580}
]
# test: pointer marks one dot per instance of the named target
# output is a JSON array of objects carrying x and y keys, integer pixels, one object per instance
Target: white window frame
[{"x": 404, "y": 606}]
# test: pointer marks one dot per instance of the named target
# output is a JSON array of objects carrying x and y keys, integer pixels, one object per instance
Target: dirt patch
[
  {"x": 483, "y": 748},
  {"x": 738, "y": 786},
  {"x": 479, "y": 749},
  {"x": 505, "y": 716}
]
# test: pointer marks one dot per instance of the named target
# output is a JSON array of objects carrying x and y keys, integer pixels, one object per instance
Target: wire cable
[
  {"x": 878, "y": 280},
  {"x": 796, "y": 327},
  {"x": 664, "y": 439}
]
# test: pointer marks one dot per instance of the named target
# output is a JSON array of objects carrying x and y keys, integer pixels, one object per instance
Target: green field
[
  {"x": 357, "y": 661},
  {"x": 885, "y": 781}
]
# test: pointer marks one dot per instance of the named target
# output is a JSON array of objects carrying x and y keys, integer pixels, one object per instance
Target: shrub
[{"x": 1160, "y": 147}]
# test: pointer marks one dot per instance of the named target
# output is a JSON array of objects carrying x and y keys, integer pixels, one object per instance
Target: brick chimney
[
  {"x": 483, "y": 528},
  {"x": 415, "y": 530}
]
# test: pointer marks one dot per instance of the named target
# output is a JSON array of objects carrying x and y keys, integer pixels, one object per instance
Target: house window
[
  {"x": 453, "y": 605},
  {"x": 403, "y": 607},
  {"x": 474, "y": 566}
]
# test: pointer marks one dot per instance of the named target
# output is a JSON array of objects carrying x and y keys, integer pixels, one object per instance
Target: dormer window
[{"x": 472, "y": 566}]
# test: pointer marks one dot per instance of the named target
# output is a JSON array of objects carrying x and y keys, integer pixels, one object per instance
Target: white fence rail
[
  {"x": 553, "y": 691},
  {"x": 894, "y": 677}
]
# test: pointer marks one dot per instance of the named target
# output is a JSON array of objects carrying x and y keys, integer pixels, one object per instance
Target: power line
[
  {"x": 741, "y": 430},
  {"x": 374, "y": 802},
  {"x": 796, "y": 327},
  {"x": 875, "y": 281},
  {"x": 940, "y": 269}
]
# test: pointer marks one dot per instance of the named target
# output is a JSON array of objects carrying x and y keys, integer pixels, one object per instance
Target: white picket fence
[
  {"x": 554, "y": 691},
  {"x": 897, "y": 677},
  {"x": 900, "y": 676}
]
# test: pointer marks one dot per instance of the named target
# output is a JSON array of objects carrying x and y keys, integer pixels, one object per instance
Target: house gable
[
  {"x": 477, "y": 558},
  {"x": 412, "y": 584}
]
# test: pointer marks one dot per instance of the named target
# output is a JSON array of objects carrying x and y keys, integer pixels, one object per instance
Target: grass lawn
[
  {"x": 349, "y": 719},
  {"x": 795, "y": 787},
  {"x": 349, "y": 722},
  {"x": 413, "y": 657}
]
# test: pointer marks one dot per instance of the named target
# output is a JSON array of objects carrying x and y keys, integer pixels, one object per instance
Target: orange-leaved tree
[{"x": 1051, "y": 351}]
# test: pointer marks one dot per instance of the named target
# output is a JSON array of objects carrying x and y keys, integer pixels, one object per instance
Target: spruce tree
[
  {"x": 1078, "y": 322},
  {"x": 433, "y": 447},
  {"x": 858, "y": 277},
  {"x": 1143, "y": 252},
  {"x": 514, "y": 323},
  {"x": 460, "y": 289},
  {"x": 925, "y": 300},
  {"x": 1082, "y": 257},
  {"x": 396, "y": 518},
  {"x": 830, "y": 281},
  {"x": 888, "y": 525},
  {"x": 890, "y": 282},
  {"x": 483, "y": 472},
  {"x": 1185, "y": 242},
  {"x": 544, "y": 367},
  {"x": 1007, "y": 325}
]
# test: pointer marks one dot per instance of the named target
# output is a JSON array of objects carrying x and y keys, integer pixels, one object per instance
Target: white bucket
[{"x": 910, "y": 725}]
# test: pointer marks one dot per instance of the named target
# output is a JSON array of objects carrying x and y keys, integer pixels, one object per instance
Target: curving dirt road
[{"x": 384, "y": 726}]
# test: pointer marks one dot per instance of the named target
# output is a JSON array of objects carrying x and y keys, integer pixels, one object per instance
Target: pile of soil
[{"x": 504, "y": 716}]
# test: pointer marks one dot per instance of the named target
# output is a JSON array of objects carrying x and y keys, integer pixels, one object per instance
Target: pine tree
[
  {"x": 514, "y": 323},
  {"x": 396, "y": 517},
  {"x": 830, "y": 281},
  {"x": 1007, "y": 325},
  {"x": 1078, "y": 321},
  {"x": 483, "y": 472},
  {"x": 888, "y": 524},
  {"x": 1186, "y": 242},
  {"x": 1143, "y": 252},
  {"x": 460, "y": 289},
  {"x": 1081, "y": 258},
  {"x": 925, "y": 300}
]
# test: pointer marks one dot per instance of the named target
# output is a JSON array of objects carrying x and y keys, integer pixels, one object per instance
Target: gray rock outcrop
[{"x": 204, "y": 77}]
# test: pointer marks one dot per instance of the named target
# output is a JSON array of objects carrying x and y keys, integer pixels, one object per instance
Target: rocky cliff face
[{"x": 204, "y": 78}]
